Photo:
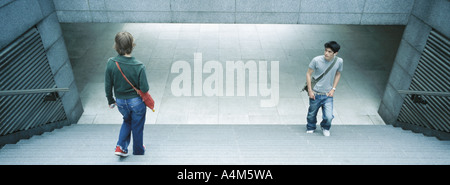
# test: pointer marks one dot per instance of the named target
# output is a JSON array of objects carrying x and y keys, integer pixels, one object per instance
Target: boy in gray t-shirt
[{"x": 322, "y": 93}]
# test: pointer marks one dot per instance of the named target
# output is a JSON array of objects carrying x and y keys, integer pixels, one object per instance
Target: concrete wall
[
  {"x": 426, "y": 15},
  {"x": 364, "y": 12},
  {"x": 17, "y": 16}
]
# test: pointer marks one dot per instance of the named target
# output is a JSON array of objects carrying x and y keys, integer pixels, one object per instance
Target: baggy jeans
[
  {"x": 133, "y": 111},
  {"x": 327, "y": 112}
]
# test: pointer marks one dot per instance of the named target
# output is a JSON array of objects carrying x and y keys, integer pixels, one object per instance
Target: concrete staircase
[{"x": 231, "y": 144}]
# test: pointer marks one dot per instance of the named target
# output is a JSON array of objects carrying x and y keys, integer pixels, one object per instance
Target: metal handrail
[
  {"x": 32, "y": 91},
  {"x": 426, "y": 93}
]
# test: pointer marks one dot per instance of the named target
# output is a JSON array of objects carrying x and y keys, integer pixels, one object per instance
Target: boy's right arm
[
  {"x": 109, "y": 85},
  {"x": 308, "y": 81}
]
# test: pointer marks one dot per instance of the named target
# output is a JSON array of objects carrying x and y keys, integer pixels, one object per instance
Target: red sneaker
[{"x": 120, "y": 152}]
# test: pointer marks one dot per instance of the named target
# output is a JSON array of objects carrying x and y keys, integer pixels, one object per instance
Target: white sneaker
[
  {"x": 326, "y": 132},
  {"x": 310, "y": 131}
]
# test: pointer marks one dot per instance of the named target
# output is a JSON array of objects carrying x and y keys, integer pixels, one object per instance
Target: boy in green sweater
[{"x": 128, "y": 102}]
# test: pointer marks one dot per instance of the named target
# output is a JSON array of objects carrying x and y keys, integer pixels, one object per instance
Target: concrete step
[{"x": 231, "y": 144}]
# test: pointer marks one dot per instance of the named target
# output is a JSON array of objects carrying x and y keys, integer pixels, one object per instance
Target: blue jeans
[
  {"x": 133, "y": 111},
  {"x": 327, "y": 112}
]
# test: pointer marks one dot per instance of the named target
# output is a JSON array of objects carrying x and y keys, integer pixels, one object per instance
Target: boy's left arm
[{"x": 335, "y": 82}]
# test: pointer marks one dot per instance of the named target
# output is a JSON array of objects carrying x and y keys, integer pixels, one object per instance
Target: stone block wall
[
  {"x": 425, "y": 16},
  {"x": 18, "y": 16},
  {"x": 360, "y": 12}
]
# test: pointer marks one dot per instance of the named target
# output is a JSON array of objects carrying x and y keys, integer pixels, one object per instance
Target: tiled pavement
[{"x": 368, "y": 53}]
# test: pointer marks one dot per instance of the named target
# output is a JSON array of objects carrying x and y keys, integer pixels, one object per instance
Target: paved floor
[
  {"x": 179, "y": 144},
  {"x": 368, "y": 53}
]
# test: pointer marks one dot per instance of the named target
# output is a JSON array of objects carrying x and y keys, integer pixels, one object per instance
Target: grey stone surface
[
  {"x": 74, "y": 16},
  {"x": 332, "y": 6},
  {"x": 50, "y": 30},
  {"x": 71, "y": 5},
  {"x": 64, "y": 76},
  {"x": 71, "y": 102},
  {"x": 5, "y": 2},
  {"x": 97, "y": 5},
  {"x": 131, "y": 16},
  {"x": 205, "y": 17},
  {"x": 407, "y": 57},
  {"x": 138, "y": 5},
  {"x": 388, "y": 6},
  {"x": 19, "y": 16},
  {"x": 399, "y": 78},
  {"x": 386, "y": 114},
  {"x": 265, "y": 6},
  {"x": 100, "y": 16},
  {"x": 57, "y": 55},
  {"x": 434, "y": 13},
  {"x": 47, "y": 7},
  {"x": 202, "y": 5},
  {"x": 246, "y": 11},
  {"x": 271, "y": 18},
  {"x": 416, "y": 33},
  {"x": 384, "y": 19},
  {"x": 329, "y": 18},
  {"x": 231, "y": 144},
  {"x": 392, "y": 100},
  {"x": 76, "y": 112}
]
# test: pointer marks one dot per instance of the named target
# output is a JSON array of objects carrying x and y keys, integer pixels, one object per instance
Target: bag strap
[
  {"x": 328, "y": 69},
  {"x": 117, "y": 64}
]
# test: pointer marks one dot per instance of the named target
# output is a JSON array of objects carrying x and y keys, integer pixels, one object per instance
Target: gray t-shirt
[{"x": 320, "y": 65}]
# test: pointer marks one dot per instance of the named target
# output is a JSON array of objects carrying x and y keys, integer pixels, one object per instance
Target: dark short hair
[
  {"x": 333, "y": 45},
  {"x": 124, "y": 43}
]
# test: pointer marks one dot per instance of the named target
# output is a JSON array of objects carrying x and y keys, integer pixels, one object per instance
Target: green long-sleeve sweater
[{"x": 133, "y": 69}]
